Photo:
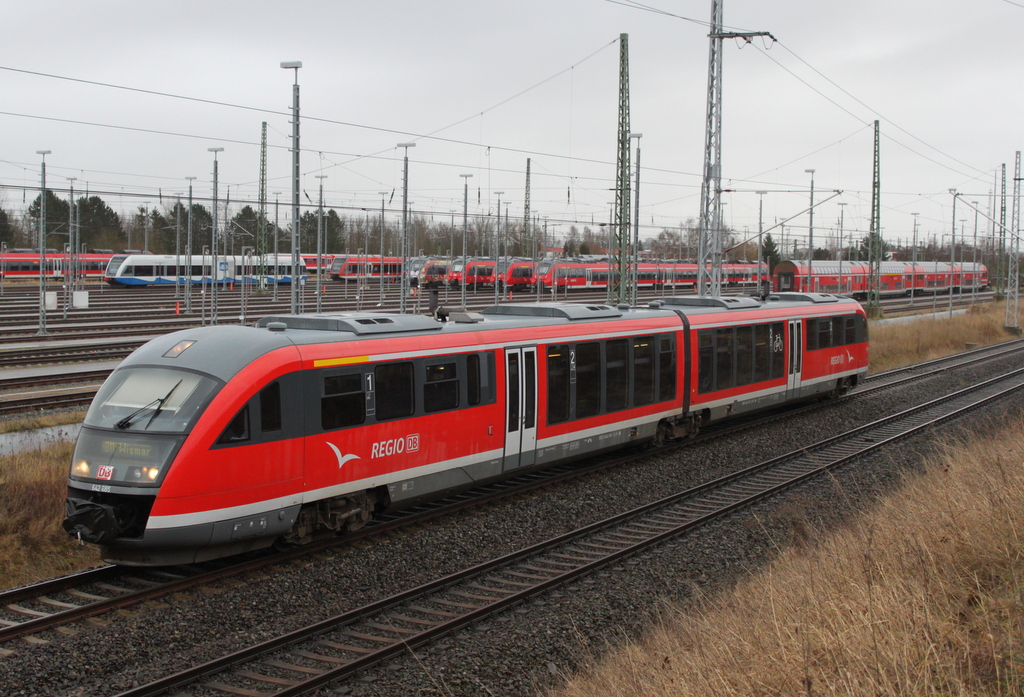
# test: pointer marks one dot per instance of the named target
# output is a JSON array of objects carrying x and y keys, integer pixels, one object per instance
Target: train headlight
[
  {"x": 152, "y": 473},
  {"x": 81, "y": 468}
]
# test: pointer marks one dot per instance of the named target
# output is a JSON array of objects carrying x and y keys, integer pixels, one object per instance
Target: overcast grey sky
[{"x": 482, "y": 85}]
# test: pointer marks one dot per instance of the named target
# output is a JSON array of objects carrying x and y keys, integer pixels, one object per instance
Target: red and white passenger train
[
  {"x": 894, "y": 278},
  {"x": 24, "y": 263},
  {"x": 216, "y": 440}
]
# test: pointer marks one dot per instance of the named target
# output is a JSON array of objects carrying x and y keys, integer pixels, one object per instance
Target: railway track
[
  {"x": 305, "y": 660},
  {"x": 33, "y": 609}
]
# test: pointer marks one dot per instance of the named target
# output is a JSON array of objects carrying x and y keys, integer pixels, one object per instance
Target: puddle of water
[{"x": 20, "y": 441}]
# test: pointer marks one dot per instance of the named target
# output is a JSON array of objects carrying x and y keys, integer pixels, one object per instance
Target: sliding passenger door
[
  {"x": 520, "y": 407},
  {"x": 796, "y": 355}
]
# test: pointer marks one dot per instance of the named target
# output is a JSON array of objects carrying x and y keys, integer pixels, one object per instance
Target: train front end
[{"x": 139, "y": 441}]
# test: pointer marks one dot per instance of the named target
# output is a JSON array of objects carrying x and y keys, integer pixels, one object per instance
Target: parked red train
[
  {"x": 895, "y": 277},
  {"x": 568, "y": 275},
  {"x": 216, "y": 440},
  {"x": 355, "y": 268},
  {"x": 24, "y": 263}
]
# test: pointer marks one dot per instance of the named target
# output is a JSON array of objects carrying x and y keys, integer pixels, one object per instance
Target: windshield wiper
[
  {"x": 156, "y": 412},
  {"x": 158, "y": 403}
]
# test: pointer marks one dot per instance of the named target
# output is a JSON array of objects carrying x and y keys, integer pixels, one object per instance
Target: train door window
[
  {"x": 744, "y": 355},
  {"x": 616, "y": 374},
  {"x": 270, "y": 408},
  {"x": 762, "y": 352},
  {"x": 643, "y": 370},
  {"x": 724, "y": 358},
  {"x": 394, "y": 390},
  {"x": 513, "y": 391},
  {"x": 530, "y": 394},
  {"x": 473, "y": 379},
  {"x": 588, "y": 379},
  {"x": 558, "y": 384},
  {"x": 237, "y": 430},
  {"x": 706, "y": 360},
  {"x": 343, "y": 402},
  {"x": 441, "y": 387},
  {"x": 666, "y": 368}
]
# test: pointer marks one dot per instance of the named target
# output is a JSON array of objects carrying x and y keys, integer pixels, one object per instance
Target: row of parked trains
[
  {"x": 217, "y": 440},
  {"x": 555, "y": 275}
]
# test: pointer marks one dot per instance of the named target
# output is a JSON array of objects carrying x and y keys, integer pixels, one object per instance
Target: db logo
[
  {"x": 412, "y": 443},
  {"x": 104, "y": 472}
]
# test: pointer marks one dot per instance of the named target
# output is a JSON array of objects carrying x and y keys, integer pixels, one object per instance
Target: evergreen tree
[{"x": 770, "y": 252}]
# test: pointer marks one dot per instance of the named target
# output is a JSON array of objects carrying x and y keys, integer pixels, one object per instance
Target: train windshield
[
  {"x": 149, "y": 399},
  {"x": 115, "y": 264}
]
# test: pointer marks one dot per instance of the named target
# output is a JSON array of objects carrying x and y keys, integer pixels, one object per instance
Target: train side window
[
  {"x": 666, "y": 368},
  {"x": 394, "y": 390},
  {"x": 724, "y": 358},
  {"x": 850, "y": 329},
  {"x": 270, "y": 408},
  {"x": 617, "y": 374},
  {"x": 822, "y": 329},
  {"x": 643, "y": 370},
  {"x": 862, "y": 328},
  {"x": 838, "y": 336},
  {"x": 588, "y": 379},
  {"x": 558, "y": 384},
  {"x": 776, "y": 338},
  {"x": 744, "y": 355},
  {"x": 441, "y": 388},
  {"x": 762, "y": 352},
  {"x": 237, "y": 430},
  {"x": 706, "y": 360},
  {"x": 473, "y": 379},
  {"x": 343, "y": 403}
]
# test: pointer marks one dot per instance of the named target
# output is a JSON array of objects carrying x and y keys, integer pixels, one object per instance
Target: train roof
[{"x": 223, "y": 351}]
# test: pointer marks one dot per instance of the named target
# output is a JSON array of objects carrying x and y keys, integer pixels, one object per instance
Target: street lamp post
[
  {"x": 383, "y": 266},
  {"x": 295, "y": 65},
  {"x": 405, "y": 228},
  {"x": 277, "y": 238},
  {"x": 635, "y": 265},
  {"x": 71, "y": 276},
  {"x": 465, "y": 219},
  {"x": 214, "y": 252},
  {"x": 952, "y": 248},
  {"x": 320, "y": 245},
  {"x": 760, "y": 231},
  {"x": 42, "y": 244},
  {"x": 177, "y": 248},
  {"x": 497, "y": 249},
  {"x": 913, "y": 262},
  {"x": 810, "y": 235},
  {"x": 188, "y": 251}
]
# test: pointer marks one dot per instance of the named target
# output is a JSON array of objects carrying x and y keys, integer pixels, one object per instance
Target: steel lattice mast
[
  {"x": 620, "y": 245},
  {"x": 709, "y": 249},
  {"x": 875, "y": 250},
  {"x": 261, "y": 221}
]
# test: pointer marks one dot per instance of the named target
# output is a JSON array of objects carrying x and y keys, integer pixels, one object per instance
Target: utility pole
[
  {"x": 188, "y": 251},
  {"x": 320, "y": 246},
  {"x": 618, "y": 254},
  {"x": 709, "y": 254},
  {"x": 1012, "y": 271},
  {"x": 261, "y": 221},
  {"x": 526, "y": 208},
  {"x": 465, "y": 219},
  {"x": 42, "y": 244},
  {"x": 405, "y": 228},
  {"x": 215, "y": 261},
  {"x": 295, "y": 275},
  {"x": 875, "y": 251}
]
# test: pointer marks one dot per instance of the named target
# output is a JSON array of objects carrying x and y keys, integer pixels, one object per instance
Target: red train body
[
  {"x": 676, "y": 276},
  {"x": 216, "y": 440},
  {"x": 25, "y": 264},
  {"x": 895, "y": 278},
  {"x": 358, "y": 268}
]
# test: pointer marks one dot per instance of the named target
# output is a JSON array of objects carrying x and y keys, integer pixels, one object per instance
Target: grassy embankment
[
  {"x": 32, "y": 485},
  {"x": 923, "y": 595}
]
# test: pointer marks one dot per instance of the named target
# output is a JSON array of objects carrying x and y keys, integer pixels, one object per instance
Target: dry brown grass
[
  {"x": 32, "y": 422},
  {"x": 898, "y": 344},
  {"x": 33, "y": 546},
  {"x": 923, "y": 596}
]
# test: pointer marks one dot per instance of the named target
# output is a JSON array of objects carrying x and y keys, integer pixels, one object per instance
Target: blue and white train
[{"x": 167, "y": 269}]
